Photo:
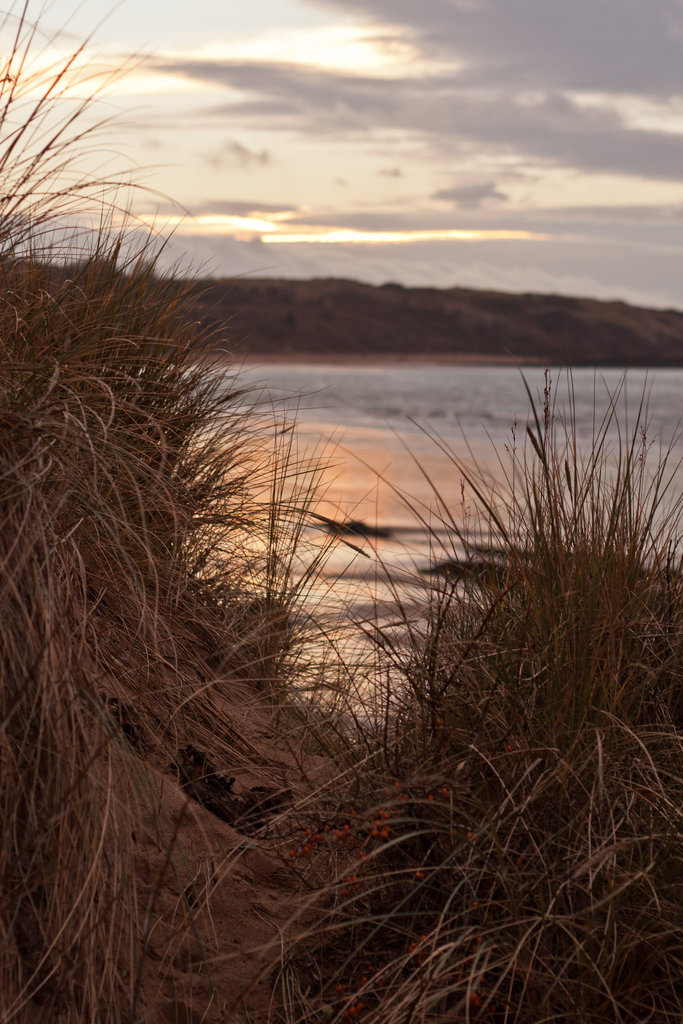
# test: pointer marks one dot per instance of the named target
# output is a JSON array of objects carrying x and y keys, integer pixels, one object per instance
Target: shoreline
[
  {"x": 371, "y": 359},
  {"x": 379, "y": 359}
]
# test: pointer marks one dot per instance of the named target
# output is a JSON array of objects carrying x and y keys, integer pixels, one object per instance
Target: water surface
[{"x": 397, "y": 436}]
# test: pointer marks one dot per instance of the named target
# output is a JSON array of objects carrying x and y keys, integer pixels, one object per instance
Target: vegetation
[
  {"x": 512, "y": 831},
  {"x": 496, "y": 835},
  {"x": 144, "y": 588}
]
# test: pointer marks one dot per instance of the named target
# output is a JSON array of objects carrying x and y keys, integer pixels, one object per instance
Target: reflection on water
[{"x": 387, "y": 429}]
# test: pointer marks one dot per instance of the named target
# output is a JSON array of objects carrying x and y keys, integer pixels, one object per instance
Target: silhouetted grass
[
  {"x": 143, "y": 586},
  {"x": 488, "y": 828},
  {"x": 508, "y": 841}
]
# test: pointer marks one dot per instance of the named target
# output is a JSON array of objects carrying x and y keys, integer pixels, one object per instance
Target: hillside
[{"x": 346, "y": 320}]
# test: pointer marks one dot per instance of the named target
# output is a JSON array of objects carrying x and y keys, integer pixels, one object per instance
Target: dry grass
[
  {"x": 145, "y": 587},
  {"x": 137, "y": 565},
  {"x": 499, "y": 839},
  {"x": 509, "y": 838}
]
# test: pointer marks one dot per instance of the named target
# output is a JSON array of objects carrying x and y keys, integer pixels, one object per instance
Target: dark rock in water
[
  {"x": 494, "y": 554},
  {"x": 357, "y": 528},
  {"x": 248, "y": 811},
  {"x": 488, "y": 565},
  {"x": 482, "y": 570}
]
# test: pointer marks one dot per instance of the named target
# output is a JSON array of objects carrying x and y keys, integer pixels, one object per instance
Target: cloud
[
  {"x": 240, "y": 207},
  {"x": 282, "y": 90},
  {"x": 233, "y": 154},
  {"x": 644, "y": 226},
  {"x": 599, "y": 45},
  {"x": 450, "y": 118},
  {"x": 470, "y": 197},
  {"x": 498, "y": 89}
]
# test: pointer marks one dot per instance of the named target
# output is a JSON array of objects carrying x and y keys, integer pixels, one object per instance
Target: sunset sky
[{"x": 526, "y": 145}]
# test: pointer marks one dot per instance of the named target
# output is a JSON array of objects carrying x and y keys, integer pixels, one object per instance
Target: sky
[{"x": 521, "y": 145}]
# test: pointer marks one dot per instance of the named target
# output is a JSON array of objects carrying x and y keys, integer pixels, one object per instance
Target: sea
[{"x": 408, "y": 450}]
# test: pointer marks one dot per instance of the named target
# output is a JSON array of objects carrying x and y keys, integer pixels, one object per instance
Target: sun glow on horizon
[
  {"x": 350, "y": 236},
  {"x": 277, "y": 231}
]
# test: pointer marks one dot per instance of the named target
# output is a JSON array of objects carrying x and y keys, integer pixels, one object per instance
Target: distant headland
[{"x": 345, "y": 321}]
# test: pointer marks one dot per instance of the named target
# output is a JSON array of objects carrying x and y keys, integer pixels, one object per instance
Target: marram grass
[
  {"x": 498, "y": 840},
  {"x": 139, "y": 569},
  {"x": 506, "y": 842}
]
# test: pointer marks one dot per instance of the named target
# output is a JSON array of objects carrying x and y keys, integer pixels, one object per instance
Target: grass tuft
[
  {"x": 480, "y": 821},
  {"x": 145, "y": 602},
  {"x": 514, "y": 844}
]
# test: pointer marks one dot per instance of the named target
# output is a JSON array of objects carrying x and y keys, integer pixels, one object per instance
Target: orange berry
[
  {"x": 292, "y": 853},
  {"x": 444, "y": 791},
  {"x": 419, "y": 874},
  {"x": 430, "y": 798},
  {"x": 475, "y": 999},
  {"x": 397, "y": 785}
]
